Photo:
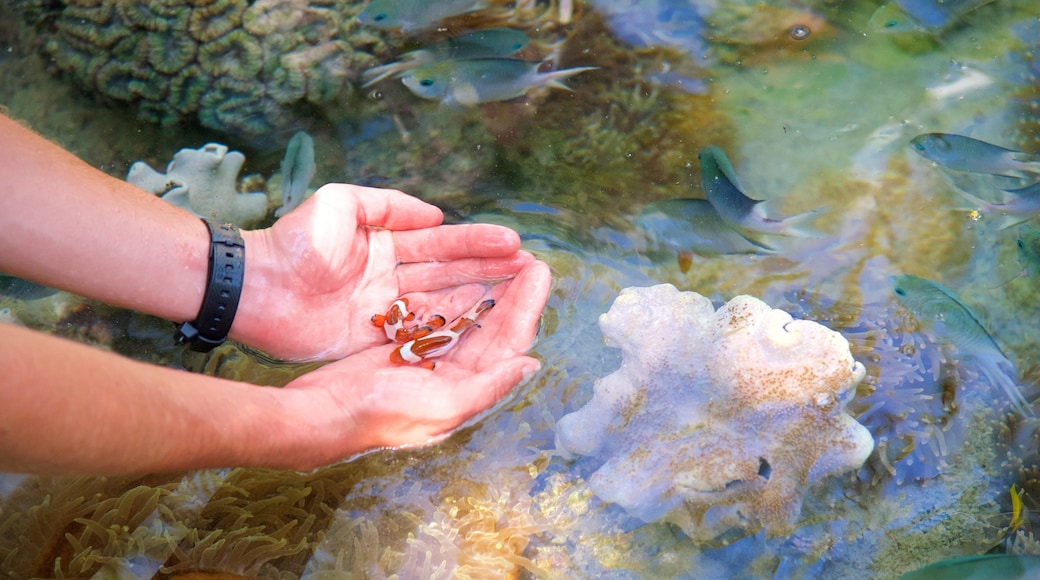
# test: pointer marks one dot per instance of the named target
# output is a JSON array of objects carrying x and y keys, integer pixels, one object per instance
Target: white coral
[
  {"x": 203, "y": 181},
  {"x": 717, "y": 419}
]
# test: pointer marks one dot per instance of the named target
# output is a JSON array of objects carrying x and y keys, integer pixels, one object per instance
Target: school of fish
[
  {"x": 462, "y": 71},
  {"x": 1011, "y": 179}
]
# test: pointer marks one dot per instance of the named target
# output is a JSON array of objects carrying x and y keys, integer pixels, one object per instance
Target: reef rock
[
  {"x": 717, "y": 419},
  {"x": 203, "y": 181}
]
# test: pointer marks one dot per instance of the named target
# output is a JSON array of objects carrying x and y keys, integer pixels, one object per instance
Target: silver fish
[
  {"x": 693, "y": 225},
  {"x": 488, "y": 43},
  {"x": 934, "y": 304},
  {"x": 482, "y": 80},
  {"x": 409, "y": 16},
  {"x": 297, "y": 171},
  {"x": 719, "y": 181},
  {"x": 961, "y": 153},
  {"x": 1023, "y": 206}
]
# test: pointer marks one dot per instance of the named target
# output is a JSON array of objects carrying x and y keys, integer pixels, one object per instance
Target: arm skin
[
  {"x": 312, "y": 282},
  {"x": 70, "y": 408}
]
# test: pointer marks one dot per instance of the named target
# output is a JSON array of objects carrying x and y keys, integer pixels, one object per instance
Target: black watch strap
[{"x": 227, "y": 265}]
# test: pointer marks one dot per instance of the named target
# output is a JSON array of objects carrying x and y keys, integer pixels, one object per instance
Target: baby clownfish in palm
[
  {"x": 429, "y": 340},
  {"x": 394, "y": 320}
]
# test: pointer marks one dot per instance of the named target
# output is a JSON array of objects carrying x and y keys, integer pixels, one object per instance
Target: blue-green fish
[
  {"x": 891, "y": 19},
  {"x": 1029, "y": 251},
  {"x": 984, "y": 567},
  {"x": 719, "y": 181},
  {"x": 692, "y": 226},
  {"x": 928, "y": 16},
  {"x": 297, "y": 171},
  {"x": 1023, "y": 206},
  {"x": 962, "y": 153},
  {"x": 409, "y": 16},
  {"x": 21, "y": 289},
  {"x": 933, "y": 304},
  {"x": 488, "y": 43},
  {"x": 482, "y": 80}
]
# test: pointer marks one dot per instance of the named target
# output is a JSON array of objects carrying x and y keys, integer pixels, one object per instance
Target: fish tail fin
[
  {"x": 795, "y": 226},
  {"x": 1019, "y": 274},
  {"x": 1001, "y": 378},
  {"x": 1030, "y": 161},
  {"x": 377, "y": 73},
  {"x": 1003, "y": 218},
  {"x": 555, "y": 78}
]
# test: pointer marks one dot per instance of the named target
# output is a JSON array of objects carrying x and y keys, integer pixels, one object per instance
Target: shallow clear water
[{"x": 821, "y": 123}]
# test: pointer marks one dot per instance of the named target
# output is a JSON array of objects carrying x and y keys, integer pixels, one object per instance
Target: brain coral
[
  {"x": 717, "y": 419},
  {"x": 240, "y": 66}
]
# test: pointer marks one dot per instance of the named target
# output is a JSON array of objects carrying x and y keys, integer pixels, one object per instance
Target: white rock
[{"x": 717, "y": 419}]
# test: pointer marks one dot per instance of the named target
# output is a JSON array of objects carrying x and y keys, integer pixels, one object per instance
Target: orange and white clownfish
[
  {"x": 395, "y": 318},
  {"x": 393, "y": 322},
  {"x": 439, "y": 342}
]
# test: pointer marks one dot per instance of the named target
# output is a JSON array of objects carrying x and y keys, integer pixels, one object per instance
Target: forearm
[
  {"x": 65, "y": 224},
  {"x": 69, "y": 408}
]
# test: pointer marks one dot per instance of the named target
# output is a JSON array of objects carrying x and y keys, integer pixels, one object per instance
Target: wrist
[
  {"x": 318, "y": 431},
  {"x": 224, "y": 279},
  {"x": 258, "y": 314}
]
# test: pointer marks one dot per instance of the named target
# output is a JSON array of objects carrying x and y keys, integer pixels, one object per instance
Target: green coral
[
  {"x": 187, "y": 88},
  {"x": 236, "y": 54},
  {"x": 115, "y": 79},
  {"x": 169, "y": 53},
  {"x": 238, "y": 66},
  {"x": 210, "y": 22},
  {"x": 155, "y": 15}
]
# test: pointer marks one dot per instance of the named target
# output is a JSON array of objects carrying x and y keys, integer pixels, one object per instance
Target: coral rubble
[{"x": 717, "y": 419}]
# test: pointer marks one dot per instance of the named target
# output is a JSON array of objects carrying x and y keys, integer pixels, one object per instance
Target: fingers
[
  {"x": 519, "y": 308},
  {"x": 427, "y": 276},
  {"x": 455, "y": 242},
  {"x": 385, "y": 208}
]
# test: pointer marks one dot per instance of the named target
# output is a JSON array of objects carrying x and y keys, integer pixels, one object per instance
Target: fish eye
[
  {"x": 900, "y": 291},
  {"x": 379, "y": 17},
  {"x": 426, "y": 82},
  {"x": 517, "y": 46},
  {"x": 919, "y": 146},
  {"x": 891, "y": 24},
  {"x": 800, "y": 32},
  {"x": 1021, "y": 245}
]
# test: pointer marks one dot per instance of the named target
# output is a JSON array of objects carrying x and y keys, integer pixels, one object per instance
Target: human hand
[
  {"x": 315, "y": 278},
  {"x": 366, "y": 402}
]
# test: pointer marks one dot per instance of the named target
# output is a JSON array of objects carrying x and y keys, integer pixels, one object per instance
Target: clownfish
[
  {"x": 437, "y": 343},
  {"x": 394, "y": 320}
]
